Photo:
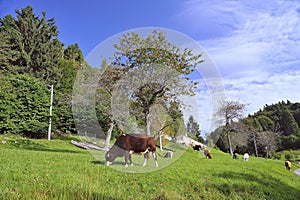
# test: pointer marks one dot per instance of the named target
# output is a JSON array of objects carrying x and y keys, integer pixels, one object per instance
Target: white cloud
[
  {"x": 266, "y": 39},
  {"x": 210, "y": 18},
  {"x": 264, "y": 89},
  {"x": 257, "y": 50}
]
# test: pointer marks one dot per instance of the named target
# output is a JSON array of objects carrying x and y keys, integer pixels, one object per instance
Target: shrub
[
  {"x": 288, "y": 156},
  {"x": 277, "y": 156}
]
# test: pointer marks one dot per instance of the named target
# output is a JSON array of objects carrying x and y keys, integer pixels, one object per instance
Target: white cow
[{"x": 246, "y": 157}]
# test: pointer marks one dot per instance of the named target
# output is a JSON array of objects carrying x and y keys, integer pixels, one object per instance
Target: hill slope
[{"x": 57, "y": 170}]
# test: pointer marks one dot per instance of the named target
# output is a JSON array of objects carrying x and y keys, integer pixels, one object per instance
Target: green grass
[{"x": 41, "y": 169}]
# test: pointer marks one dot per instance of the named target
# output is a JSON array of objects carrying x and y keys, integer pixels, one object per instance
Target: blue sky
[{"x": 255, "y": 45}]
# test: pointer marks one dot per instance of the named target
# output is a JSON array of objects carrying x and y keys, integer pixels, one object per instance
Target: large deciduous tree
[
  {"x": 267, "y": 142},
  {"x": 228, "y": 112},
  {"x": 156, "y": 69}
]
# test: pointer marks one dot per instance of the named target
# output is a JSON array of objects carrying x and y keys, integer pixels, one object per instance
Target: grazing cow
[
  {"x": 207, "y": 154},
  {"x": 126, "y": 144},
  {"x": 246, "y": 156},
  {"x": 288, "y": 165},
  {"x": 235, "y": 154},
  {"x": 196, "y": 147}
]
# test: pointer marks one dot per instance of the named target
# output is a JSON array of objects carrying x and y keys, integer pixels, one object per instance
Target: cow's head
[
  {"x": 109, "y": 157},
  {"x": 112, "y": 154}
]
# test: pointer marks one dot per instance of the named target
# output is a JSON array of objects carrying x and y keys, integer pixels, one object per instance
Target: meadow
[{"x": 42, "y": 169}]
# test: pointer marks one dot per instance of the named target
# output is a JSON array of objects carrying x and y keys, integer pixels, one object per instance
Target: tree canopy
[{"x": 154, "y": 70}]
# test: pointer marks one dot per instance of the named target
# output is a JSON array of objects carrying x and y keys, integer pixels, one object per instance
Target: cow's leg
[
  {"x": 146, "y": 156},
  {"x": 130, "y": 160},
  {"x": 155, "y": 158},
  {"x": 127, "y": 154}
]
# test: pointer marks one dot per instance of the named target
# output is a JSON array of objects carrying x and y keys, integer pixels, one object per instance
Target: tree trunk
[
  {"x": 229, "y": 143},
  {"x": 108, "y": 134},
  {"x": 255, "y": 145},
  {"x": 160, "y": 141},
  {"x": 86, "y": 145},
  {"x": 228, "y": 137},
  {"x": 267, "y": 151},
  {"x": 147, "y": 121}
]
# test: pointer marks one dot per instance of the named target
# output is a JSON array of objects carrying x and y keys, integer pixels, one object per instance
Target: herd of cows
[{"x": 127, "y": 144}]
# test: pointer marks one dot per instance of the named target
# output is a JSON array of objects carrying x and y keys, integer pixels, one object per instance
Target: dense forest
[
  {"x": 272, "y": 129},
  {"x": 32, "y": 58}
]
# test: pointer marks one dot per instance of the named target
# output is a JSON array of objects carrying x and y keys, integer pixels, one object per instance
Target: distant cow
[
  {"x": 288, "y": 165},
  {"x": 235, "y": 154},
  {"x": 246, "y": 156},
  {"x": 196, "y": 147},
  {"x": 207, "y": 154},
  {"x": 126, "y": 144}
]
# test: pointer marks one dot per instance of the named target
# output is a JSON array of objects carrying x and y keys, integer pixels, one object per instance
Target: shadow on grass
[
  {"x": 98, "y": 162},
  {"x": 262, "y": 185},
  {"x": 101, "y": 196},
  {"x": 55, "y": 150},
  {"x": 36, "y": 146}
]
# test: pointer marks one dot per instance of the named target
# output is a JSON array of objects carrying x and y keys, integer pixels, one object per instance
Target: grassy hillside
[{"x": 41, "y": 169}]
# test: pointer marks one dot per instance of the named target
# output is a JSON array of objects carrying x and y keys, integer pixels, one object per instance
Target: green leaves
[
  {"x": 24, "y": 105},
  {"x": 193, "y": 127},
  {"x": 133, "y": 51},
  {"x": 155, "y": 70},
  {"x": 275, "y": 128},
  {"x": 35, "y": 40},
  {"x": 29, "y": 47}
]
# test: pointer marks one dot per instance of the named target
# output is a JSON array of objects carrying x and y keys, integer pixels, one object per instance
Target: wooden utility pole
[{"x": 50, "y": 116}]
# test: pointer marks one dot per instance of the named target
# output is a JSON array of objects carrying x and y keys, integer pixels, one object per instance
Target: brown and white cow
[
  {"x": 288, "y": 165},
  {"x": 196, "y": 147},
  {"x": 126, "y": 144}
]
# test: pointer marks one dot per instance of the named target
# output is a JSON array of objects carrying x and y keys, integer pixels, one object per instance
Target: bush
[
  {"x": 24, "y": 105},
  {"x": 277, "y": 156},
  {"x": 288, "y": 156}
]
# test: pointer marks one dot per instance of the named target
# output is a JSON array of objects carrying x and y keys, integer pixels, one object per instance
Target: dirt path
[{"x": 297, "y": 171}]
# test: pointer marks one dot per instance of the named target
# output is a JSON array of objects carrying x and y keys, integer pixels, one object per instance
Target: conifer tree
[{"x": 36, "y": 41}]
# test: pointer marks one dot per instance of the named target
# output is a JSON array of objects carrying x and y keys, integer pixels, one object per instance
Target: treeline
[
  {"x": 32, "y": 58},
  {"x": 272, "y": 129}
]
